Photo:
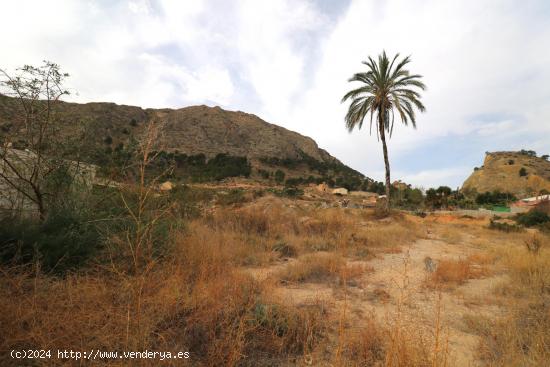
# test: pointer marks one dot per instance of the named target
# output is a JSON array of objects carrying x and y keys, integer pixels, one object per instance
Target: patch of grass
[
  {"x": 451, "y": 233},
  {"x": 451, "y": 271},
  {"x": 456, "y": 272},
  {"x": 520, "y": 337},
  {"x": 366, "y": 346},
  {"x": 386, "y": 238},
  {"x": 320, "y": 267}
]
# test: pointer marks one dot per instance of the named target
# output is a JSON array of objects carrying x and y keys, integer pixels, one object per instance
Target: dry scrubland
[{"x": 277, "y": 281}]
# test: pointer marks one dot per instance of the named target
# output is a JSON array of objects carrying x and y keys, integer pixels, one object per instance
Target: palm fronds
[{"x": 387, "y": 89}]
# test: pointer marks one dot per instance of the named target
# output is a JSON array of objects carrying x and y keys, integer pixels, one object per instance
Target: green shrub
[
  {"x": 196, "y": 168},
  {"x": 532, "y": 218},
  {"x": 65, "y": 241}
]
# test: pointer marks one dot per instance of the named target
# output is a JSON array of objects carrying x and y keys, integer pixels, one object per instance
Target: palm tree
[{"x": 385, "y": 91}]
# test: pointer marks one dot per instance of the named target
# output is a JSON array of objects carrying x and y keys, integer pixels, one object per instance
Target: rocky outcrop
[
  {"x": 212, "y": 130},
  {"x": 515, "y": 172}
]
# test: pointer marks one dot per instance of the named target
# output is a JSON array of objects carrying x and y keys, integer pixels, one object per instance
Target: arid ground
[{"x": 275, "y": 281}]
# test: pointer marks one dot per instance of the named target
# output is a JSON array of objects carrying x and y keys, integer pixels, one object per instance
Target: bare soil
[{"x": 399, "y": 283}]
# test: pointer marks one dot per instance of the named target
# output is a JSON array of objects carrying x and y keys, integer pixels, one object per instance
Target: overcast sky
[{"x": 486, "y": 65}]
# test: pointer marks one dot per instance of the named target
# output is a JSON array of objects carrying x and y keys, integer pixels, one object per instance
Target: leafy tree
[
  {"x": 432, "y": 199},
  {"x": 443, "y": 192},
  {"x": 386, "y": 90},
  {"x": 530, "y": 153},
  {"x": 545, "y": 156},
  {"x": 495, "y": 198}
]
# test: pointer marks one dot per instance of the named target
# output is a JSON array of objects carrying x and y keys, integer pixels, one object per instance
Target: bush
[
  {"x": 197, "y": 168},
  {"x": 532, "y": 218},
  {"x": 63, "y": 242},
  {"x": 522, "y": 172}
]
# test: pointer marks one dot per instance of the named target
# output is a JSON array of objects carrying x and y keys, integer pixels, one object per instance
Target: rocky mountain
[
  {"x": 211, "y": 130},
  {"x": 521, "y": 173},
  {"x": 193, "y": 131}
]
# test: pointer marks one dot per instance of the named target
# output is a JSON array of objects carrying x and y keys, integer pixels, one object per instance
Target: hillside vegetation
[{"x": 189, "y": 139}]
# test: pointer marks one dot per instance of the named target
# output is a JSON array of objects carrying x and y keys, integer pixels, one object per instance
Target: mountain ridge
[{"x": 191, "y": 130}]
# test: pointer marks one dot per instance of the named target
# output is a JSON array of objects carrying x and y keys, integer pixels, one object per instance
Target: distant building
[{"x": 524, "y": 205}]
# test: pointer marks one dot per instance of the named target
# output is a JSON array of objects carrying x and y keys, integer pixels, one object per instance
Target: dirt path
[
  {"x": 399, "y": 280},
  {"x": 403, "y": 278}
]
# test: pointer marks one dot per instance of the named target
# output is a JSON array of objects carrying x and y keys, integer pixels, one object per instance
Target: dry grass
[
  {"x": 451, "y": 233},
  {"x": 321, "y": 267},
  {"x": 194, "y": 302},
  {"x": 399, "y": 341},
  {"x": 366, "y": 346},
  {"x": 521, "y": 337},
  {"x": 450, "y": 273},
  {"x": 198, "y": 298}
]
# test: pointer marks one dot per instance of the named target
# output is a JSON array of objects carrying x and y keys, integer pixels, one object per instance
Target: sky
[{"x": 486, "y": 65}]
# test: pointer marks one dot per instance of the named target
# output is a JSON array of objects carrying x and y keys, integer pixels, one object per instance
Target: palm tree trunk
[{"x": 386, "y": 163}]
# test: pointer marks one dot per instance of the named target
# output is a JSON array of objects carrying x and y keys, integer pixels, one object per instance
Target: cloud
[
  {"x": 485, "y": 65},
  {"x": 426, "y": 178},
  {"x": 476, "y": 58}
]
